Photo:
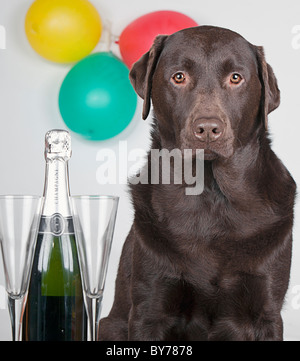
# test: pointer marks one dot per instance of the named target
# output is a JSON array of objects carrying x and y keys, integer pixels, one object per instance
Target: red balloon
[{"x": 137, "y": 38}]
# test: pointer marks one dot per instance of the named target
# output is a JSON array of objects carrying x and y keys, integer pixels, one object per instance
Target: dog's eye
[
  {"x": 178, "y": 78},
  {"x": 235, "y": 78}
]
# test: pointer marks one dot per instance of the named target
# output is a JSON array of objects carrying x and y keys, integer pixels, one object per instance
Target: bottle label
[{"x": 56, "y": 225}]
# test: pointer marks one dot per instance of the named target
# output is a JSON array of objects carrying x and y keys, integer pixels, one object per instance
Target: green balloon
[{"x": 96, "y": 98}]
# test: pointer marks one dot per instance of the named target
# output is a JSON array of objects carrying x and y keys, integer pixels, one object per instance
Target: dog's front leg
[
  {"x": 250, "y": 312},
  {"x": 145, "y": 325},
  {"x": 155, "y": 299},
  {"x": 237, "y": 329},
  {"x": 154, "y": 311}
]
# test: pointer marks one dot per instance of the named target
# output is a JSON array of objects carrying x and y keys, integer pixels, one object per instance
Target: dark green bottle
[{"x": 55, "y": 307}]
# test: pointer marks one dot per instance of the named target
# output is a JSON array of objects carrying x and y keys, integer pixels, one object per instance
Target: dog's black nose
[{"x": 208, "y": 130}]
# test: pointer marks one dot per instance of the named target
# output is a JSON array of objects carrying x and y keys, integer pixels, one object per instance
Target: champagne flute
[
  {"x": 19, "y": 219},
  {"x": 94, "y": 224}
]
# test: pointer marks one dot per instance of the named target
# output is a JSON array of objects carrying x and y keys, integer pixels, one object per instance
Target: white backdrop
[{"x": 29, "y": 87}]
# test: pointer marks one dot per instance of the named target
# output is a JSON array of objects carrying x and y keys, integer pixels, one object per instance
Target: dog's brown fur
[{"x": 213, "y": 266}]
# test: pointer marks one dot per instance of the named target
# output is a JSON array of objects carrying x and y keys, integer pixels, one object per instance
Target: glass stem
[
  {"x": 93, "y": 306},
  {"x": 16, "y": 310}
]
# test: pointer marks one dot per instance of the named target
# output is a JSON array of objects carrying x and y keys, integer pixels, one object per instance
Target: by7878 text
[{"x": 152, "y": 350}]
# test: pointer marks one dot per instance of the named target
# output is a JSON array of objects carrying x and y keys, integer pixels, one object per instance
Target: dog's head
[{"x": 210, "y": 88}]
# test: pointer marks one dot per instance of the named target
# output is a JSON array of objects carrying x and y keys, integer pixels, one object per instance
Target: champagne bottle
[{"x": 55, "y": 307}]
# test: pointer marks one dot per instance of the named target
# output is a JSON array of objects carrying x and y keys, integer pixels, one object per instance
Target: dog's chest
[
  {"x": 208, "y": 218},
  {"x": 203, "y": 218}
]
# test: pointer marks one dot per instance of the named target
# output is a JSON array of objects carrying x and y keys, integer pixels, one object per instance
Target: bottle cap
[{"x": 58, "y": 145}]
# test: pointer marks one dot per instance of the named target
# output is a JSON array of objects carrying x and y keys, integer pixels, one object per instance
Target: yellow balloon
[{"x": 63, "y": 31}]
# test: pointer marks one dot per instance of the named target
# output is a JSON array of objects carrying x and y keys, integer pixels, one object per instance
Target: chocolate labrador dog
[{"x": 212, "y": 266}]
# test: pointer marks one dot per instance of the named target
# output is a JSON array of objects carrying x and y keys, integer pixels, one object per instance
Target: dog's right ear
[
  {"x": 271, "y": 93},
  {"x": 142, "y": 72}
]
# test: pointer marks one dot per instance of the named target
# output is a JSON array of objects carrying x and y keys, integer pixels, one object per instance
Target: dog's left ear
[
  {"x": 142, "y": 72},
  {"x": 270, "y": 91}
]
